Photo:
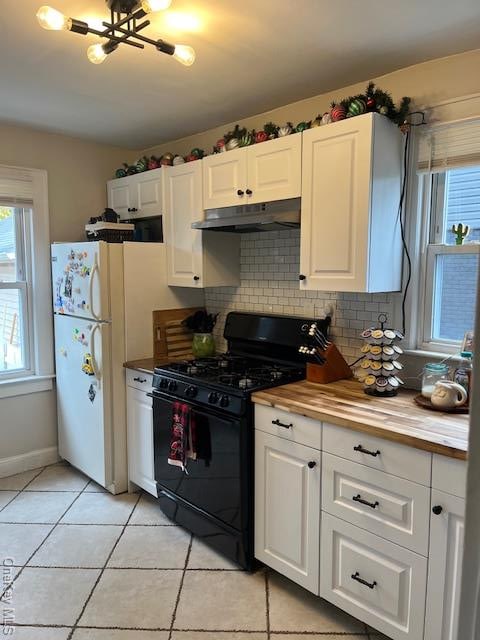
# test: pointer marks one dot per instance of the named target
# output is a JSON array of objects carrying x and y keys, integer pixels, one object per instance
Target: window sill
[
  {"x": 24, "y": 386},
  {"x": 432, "y": 355}
]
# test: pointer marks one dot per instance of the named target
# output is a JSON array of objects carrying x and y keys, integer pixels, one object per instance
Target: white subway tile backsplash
[{"x": 269, "y": 284}]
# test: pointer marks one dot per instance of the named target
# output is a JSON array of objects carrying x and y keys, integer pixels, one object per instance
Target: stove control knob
[
  {"x": 163, "y": 383},
  {"x": 224, "y": 401},
  {"x": 213, "y": 397},
  {"x": 191, "y": 391},
  {"x": 172, "y": 385}
]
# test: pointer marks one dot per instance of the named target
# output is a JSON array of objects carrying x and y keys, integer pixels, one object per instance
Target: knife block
[{"x": 334, "y": 368}]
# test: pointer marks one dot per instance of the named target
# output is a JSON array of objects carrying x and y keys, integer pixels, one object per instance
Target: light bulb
[
  {"x": 52, "y": 19},
  {"x": 150, "y": 6},
  {"x": 184, "y": 54},
  {"x": 96, "y": 53}
]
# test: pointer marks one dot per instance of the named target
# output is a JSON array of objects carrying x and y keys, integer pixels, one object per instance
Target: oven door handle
[{"x": 150, "y": 395}]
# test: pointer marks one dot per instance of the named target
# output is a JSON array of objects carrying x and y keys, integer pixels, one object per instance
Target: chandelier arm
[
  {"x": 125, "y": 31},
  {"x": 116, "y": 39},
  {"x": 119, "y": 23},
  {"x": 133, "y": 34}
]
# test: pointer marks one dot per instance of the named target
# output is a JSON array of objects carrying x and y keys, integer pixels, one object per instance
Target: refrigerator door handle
[
  {"x": 90, "y": 288},
  {"x": 96, "y": 372}
]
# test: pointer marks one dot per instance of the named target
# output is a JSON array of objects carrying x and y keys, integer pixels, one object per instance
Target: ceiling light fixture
[{"x": 124, "y": 28}]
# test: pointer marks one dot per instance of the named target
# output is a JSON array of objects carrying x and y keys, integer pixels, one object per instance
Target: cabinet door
[
  {"x": 225, "y": 179},
  {"x": 149, "y": 193},
  {"x": 336, "y": 182},
  {"x": 287, "y": 508},
  {"x": 121, "y": 196},
  {"x": 445, "y": 567},
  {"x": 140, "y": 440},
  {"x": 274, "y": 170},
  {"x": 182, "y": 188}
]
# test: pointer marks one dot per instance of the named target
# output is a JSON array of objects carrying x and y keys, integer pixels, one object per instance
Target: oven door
[{"x": 212, "y": 483}]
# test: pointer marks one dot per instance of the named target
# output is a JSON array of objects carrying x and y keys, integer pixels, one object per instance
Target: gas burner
[
  {"x": 275, "y": 374},
  {"x": 191, "y": 369},
  {"x": 246, "y": 383}
]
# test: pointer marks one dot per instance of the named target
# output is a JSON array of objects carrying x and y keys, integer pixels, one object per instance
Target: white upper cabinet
[
  {"x": 274, "y": 170},
  {"x": 224, "y": 179},
  {"x": 350, "y": 233},
  {"x": 263, "y": 172},
  {"x": 136, "y": 196},
  {"x": 194, "y": 258}
]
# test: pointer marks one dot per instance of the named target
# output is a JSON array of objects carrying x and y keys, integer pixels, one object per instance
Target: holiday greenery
[{"x": 373, "y": 100}]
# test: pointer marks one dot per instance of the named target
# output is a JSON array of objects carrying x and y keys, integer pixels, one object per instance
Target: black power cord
[{"x": 401, "y": 218}]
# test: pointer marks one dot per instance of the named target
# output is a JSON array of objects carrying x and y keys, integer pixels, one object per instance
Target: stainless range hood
[{"x": 269, "y": 216}]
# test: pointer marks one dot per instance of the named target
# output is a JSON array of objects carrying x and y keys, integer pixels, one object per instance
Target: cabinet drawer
[
  {"x": 384, "y": 455},
  {"x": 389, "y": 506},
  {"x": 449, "y": 475},
  {"x": 374, "y": 580},
  {"x": 289, "y": 426},
  {"x": 139, "y": 380}
]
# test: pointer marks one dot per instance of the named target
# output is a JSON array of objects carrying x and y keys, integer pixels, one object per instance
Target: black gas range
[{"x": 213, "y": 497}]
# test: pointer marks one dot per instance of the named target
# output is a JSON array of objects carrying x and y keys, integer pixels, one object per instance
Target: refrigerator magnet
[
  {"x": 87, "y": 366},
  {"x": 92, "y": 392}
]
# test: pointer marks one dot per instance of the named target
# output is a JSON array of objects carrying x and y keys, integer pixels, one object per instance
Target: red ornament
[
  {"x": 153, "y": 163},
  {"x": 338, "y": 113},
  {"x": 191, "y": 157},
  {"x": 220, "y": 143},
  {"x": 371, "y": 104},
  {"x": 261, "y": 136}
]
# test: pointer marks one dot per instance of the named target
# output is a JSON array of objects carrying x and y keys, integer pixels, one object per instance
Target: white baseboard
[{"x": 27, "y": 461}]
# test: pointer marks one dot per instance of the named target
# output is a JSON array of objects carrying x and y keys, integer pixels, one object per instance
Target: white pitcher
[{"x": 447, "y": 395}]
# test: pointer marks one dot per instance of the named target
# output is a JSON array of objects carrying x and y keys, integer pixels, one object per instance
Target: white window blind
[
  {"x": 16, "y": 187},
  {"x": 449, "y": 145}
]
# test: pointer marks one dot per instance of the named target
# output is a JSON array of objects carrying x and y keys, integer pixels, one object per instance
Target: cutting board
[{"x": 171, "y": 340}]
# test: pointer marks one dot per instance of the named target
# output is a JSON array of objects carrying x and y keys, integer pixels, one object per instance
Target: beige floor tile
[
  {"x": 101, "y": 508},
  {"x": 37, "y": 507},
  {"x": 151, "y": 547},
  {"x": 19, "y": 541},
  {"x": 328, "y": 636},
  {"x": 204, "y": 557},
  {"x": 226, "y": 635},
  {"x": 133, "y": 598},
  {"x": 294, "y": 609},
  {"x": 74, "y": 545},
  {"x": 147, "y": 511},
  {"x": 6, "y": 496},
  {"x": 93, "y": 487},
  {"x": 111, "y": 634},
  {"x": 50, "y": 596},
  {"x": 376, "y": 635},
  {"x": 222, "y": 600},
  {"x": 59, "y": 477},
  {"x": 39, "y": 633},
  {"x": 18, "y": 481}
]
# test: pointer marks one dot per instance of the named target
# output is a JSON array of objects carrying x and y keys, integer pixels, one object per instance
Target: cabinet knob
[
  {"x": 240, "y": 192},
  {"x": 312, "y": 464},
  {"x": 249, "y": 192},
  {"x": 132, "y": 209},
  {"x": 141, "y": 380},
  {"x": 437, "y": 509},
  {"x": 196, "y": 278},
  {"x": 302, "y": 277}
]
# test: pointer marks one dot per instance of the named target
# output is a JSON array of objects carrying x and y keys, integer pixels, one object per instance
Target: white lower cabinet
[
  {"x": 373, "y": 579},
  {"x": 287, "y": 508},
  {"x": 445, "y": 566},
  {"x": 140, "y": 431}
]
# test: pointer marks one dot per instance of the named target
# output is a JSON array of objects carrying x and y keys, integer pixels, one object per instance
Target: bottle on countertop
[{"x": 463, "y": 373}]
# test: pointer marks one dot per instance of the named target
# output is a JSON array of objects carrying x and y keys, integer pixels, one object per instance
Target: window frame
[
  {"x": 40, "y": 374},
  {"x": 23, "y": 284},
  {"x": 431, "y": 228}
]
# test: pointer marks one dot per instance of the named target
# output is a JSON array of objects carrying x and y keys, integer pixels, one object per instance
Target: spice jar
[{"x": 432, "y": 373}]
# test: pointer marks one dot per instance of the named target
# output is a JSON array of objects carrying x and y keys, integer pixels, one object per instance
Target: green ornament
[
  {"x": 357, "y": 107},
  {"x": 120, "y": 173},
  {"x": 302, "y": 126},
  {"x": 141, "y": 164}
]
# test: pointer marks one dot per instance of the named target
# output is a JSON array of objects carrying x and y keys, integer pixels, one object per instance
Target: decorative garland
[{"x": 373, "y": 100}]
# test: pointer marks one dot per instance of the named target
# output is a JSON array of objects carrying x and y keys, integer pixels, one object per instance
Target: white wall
[{"x": 77, "y": 173}]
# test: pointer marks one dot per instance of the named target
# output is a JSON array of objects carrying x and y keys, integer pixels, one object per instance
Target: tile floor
[{"x": 78, "y": 563}]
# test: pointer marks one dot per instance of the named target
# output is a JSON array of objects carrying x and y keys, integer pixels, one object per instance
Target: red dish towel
[{"x": 183, "y": 436}]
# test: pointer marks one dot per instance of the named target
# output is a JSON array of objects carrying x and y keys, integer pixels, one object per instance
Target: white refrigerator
[
  {"x": 103, "y": 298},
  {"x": 89, "y": 320}
]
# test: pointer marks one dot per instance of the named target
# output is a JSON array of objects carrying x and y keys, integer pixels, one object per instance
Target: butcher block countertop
[
  {"x": 344, "y": 403},
  {"x": 146, "y": 365}
]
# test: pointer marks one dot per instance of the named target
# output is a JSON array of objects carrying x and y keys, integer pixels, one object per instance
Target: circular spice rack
[{"x": 379, "y": 368}]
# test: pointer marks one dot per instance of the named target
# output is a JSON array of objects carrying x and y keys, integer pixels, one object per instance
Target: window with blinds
[
  {"x": 16, "y": 204},
  {"x": 449, "y": 159}
]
